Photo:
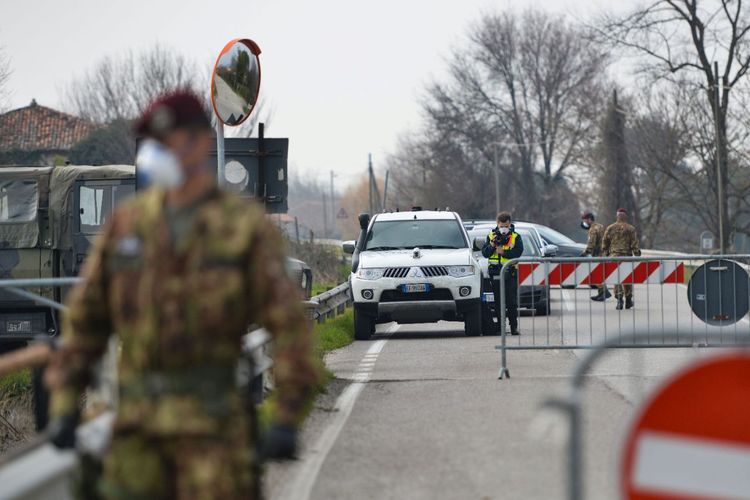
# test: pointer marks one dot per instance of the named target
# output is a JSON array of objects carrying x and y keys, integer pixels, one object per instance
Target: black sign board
[{"x": 257, "y": 168}]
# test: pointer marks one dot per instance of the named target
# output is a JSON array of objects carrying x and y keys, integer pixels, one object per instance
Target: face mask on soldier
[
  {"x": 585, "y": 225},
  {"x": 158, "y": 166}
]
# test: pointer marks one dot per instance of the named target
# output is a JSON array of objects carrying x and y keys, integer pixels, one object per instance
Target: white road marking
[
  {"x": 667, "y": 463},
  {"x": 568, "y": 300},
  {"x": 310, "y": 464}
]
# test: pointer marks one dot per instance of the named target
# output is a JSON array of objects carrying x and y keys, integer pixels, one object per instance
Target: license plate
[
  {"x": 18, "y": 326},
  {"x": 415, "y": 288}
]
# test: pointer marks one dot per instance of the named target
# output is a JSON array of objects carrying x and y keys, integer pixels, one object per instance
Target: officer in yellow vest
[{"x": 502, "y": 245}]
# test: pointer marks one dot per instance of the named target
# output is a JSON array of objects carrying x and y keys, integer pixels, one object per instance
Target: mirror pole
[{"x": 220, "y": 162}]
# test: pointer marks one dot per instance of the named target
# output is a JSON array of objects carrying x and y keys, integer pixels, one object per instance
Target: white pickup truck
[{"x": 414, "y": 267}]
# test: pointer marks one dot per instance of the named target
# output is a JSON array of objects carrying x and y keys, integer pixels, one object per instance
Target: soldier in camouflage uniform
[
  {"x": 178, "y": 274},
  {"x": 620, "y": 239},
  {"x": 594, "y": 248}
]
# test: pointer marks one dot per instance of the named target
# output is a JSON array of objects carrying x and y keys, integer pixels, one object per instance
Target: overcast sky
[{"x": 342, "y": 76}]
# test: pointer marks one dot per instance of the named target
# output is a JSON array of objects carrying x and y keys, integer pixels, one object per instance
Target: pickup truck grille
[
  {"x": 399, "y": 296},
  {"x": 396, "y": 272},
  {"x": 433, "y": 271}
]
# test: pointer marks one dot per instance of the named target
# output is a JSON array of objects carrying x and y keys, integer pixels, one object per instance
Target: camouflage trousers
[
  {"x": 624, "y": 291},
  {"x": 195, "y": 468}
]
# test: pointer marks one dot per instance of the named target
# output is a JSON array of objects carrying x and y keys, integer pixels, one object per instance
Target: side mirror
[
  {"x": 479, "y": 243},
  {"x": 364, "y": 221},
  {"x": 349, "y": 246},
  {"x": 550, "y": 250}
]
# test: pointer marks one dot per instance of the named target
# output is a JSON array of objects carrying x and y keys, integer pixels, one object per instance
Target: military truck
[{"x": 48, "y": 218}]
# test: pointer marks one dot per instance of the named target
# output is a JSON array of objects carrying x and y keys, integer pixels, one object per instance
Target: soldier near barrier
[
  {"x": 621, "y": 240},
  {"x": 594, "y": 248},
  {"x": 179, "y": 273}
]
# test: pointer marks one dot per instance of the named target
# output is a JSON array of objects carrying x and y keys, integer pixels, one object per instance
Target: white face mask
[
  {"x": 158, "y": 166},
  {"x": 504, "y": 230}
]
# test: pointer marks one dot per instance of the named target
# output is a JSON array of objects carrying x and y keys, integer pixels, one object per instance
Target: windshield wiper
[
  {"x": 383, "y": 248},
  {"x": 433, "y": 247}
]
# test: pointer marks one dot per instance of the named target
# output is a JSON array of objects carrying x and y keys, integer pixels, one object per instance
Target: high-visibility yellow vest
[{"x": 495, "y": 258}]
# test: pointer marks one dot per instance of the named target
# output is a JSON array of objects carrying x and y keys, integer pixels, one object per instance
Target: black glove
[
  {"x": 279, "y": 442},
  {"x": 62, "y": 431}
]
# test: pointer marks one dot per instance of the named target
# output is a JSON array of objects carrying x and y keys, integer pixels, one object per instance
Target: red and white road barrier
[{"x": 600, "y": 273}]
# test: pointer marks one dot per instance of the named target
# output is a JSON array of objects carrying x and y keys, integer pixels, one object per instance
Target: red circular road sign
[{"x": 692, "y": 437}]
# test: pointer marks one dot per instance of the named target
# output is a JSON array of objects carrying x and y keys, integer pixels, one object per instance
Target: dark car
[{"x": 566, "y": 247}]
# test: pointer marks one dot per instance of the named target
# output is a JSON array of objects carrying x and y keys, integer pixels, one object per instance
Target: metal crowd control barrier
[
  {"x": 572, "y": 403},
  {"x": 662, "y": 315},
  {"x": 38, "y": 470}
]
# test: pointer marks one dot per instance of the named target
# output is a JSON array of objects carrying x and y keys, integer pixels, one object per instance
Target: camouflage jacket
[
  {"x": 180, "y": 309},
  {"x": 594, "y": 244},
  {"x": 620, "y": 239}
]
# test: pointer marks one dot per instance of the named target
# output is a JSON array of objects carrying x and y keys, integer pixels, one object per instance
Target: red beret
[
  {"x": 622, "y": 211},
  {"x": 180, "y": 109},
  {"x": 587, "y": 214}
]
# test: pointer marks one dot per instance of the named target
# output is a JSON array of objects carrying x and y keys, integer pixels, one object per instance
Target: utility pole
[
  {"x": 385, "y": 190},
  {"x": 369, "y": 171},
  {"x": 497, "y": 178},
  {"x": 325, "y": 216},
  {"x": 719, "y": 179},
  {"x": 333, "y": 203},
  {"x": 375, "y": 204}
]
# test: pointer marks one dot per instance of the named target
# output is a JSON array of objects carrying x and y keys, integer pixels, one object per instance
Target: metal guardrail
[
  {"x": 330, "y": 304},
  {"x": 661, "y": 309},
  {"x": 41, "y": 471}
]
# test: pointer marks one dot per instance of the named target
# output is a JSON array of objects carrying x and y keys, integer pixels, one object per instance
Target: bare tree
[
  {"x": 120, "y": 87},
  {"x": 531, "y": 84},
  {"x": 681, "y": 41},
  {"x": 5, "y": 73}
]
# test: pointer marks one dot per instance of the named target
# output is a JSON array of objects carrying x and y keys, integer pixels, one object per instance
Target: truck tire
[
  {"x": 473, "y": 322},
  {"x": 542, "y": 308},
  {"x": 364, "y": 326}
]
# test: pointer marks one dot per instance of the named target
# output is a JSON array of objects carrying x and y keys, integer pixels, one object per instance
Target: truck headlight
[
  {"x": 370, "y": 273},
  {"x": 460, "y": 271}
]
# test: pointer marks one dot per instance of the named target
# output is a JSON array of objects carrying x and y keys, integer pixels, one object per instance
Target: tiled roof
[{"x": 38, "y": 128}]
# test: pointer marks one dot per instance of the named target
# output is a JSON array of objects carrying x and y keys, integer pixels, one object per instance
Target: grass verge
[
  {"x": 15, "y": 385},
  {"x": 333, "y": 334}
]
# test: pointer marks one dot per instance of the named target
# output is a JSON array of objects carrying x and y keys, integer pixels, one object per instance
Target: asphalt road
[{"x": 418, "y": 411}]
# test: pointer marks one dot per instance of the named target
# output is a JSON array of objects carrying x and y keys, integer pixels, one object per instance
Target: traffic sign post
[
  {"x": 707, "y": 242},
  {"x": 692, "y": 438}
]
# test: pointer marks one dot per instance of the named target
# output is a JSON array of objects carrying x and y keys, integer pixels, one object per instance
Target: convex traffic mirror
[{"x": 235, "y": 83}]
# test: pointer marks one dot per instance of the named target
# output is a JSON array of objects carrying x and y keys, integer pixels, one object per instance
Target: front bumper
[{"x": 417, "y": 311}]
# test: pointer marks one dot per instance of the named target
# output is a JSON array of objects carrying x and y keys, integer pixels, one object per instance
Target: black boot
[
  {"x": 608, "y": 295},
  {"x": 619, "y": 304},
  {"x": 598, "y": 297},
  {"x": 514, "y": 328},
  {"x": 628, "y": 302}
]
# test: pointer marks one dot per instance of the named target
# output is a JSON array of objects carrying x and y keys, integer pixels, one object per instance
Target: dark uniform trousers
[{"x": 511, "y": 298}]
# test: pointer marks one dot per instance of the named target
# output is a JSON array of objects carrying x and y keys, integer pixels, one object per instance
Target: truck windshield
[
  {"x": 407, "y": 234},
  {"x": 18, "y": 201},
  {"x": 96, "y": 202}
]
